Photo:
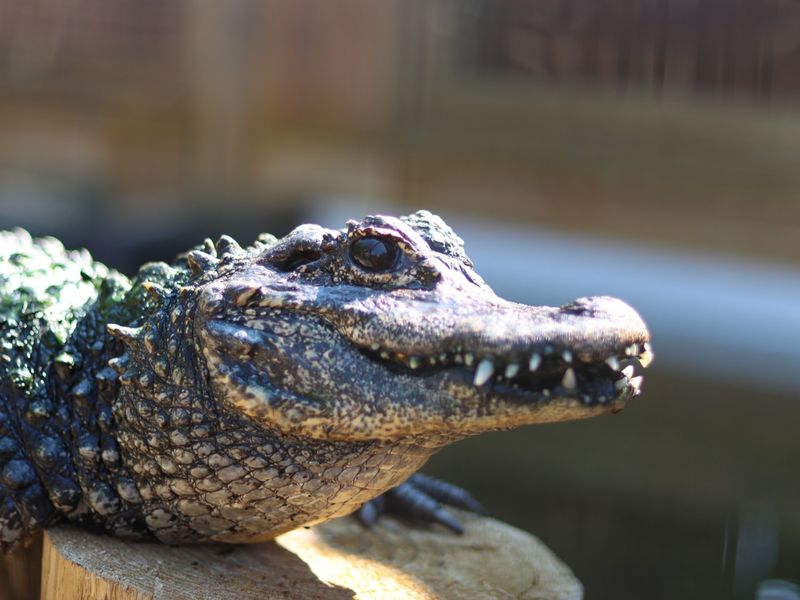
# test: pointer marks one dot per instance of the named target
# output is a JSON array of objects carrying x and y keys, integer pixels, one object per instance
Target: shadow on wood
[{"x": 335, "y": 560}]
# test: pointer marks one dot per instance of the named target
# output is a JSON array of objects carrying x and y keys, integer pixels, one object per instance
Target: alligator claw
[
  {"x": 448, "y": 493},
  {"x": 421, "y": 498},
  {"x": 371, "y": 511}
]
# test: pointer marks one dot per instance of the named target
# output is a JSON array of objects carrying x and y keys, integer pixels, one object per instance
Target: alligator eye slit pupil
[{"x": 375, "y": 254}]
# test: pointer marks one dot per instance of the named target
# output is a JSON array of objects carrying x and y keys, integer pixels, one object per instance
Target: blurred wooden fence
[{"x": 749, "y": 47}]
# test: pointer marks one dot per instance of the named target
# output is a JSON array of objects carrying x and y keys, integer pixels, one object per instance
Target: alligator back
[{"x": 44, "y": 291}]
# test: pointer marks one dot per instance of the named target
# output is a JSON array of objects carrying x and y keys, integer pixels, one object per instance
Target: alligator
[{"x": 241, "y": 392}]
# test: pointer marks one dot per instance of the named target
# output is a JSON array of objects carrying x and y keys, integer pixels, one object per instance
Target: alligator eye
[{"x": 375, "y": 254}]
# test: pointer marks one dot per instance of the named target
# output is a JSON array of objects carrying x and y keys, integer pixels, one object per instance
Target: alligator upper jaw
[
  {"x": 350, "y": 363},
  {"x": 589, "y": 350}
]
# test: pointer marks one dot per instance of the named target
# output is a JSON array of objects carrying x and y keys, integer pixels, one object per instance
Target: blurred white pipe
[{"x": 714, "y": 316}]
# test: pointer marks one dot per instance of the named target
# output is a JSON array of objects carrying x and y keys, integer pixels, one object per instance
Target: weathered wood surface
[
  {"x": 20, "y": 573},
  {"x": 335, "y": 560}
]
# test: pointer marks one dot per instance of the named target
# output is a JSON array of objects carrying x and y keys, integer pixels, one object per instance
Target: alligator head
[
  {"x": 385, "y": 330},
  {"x": 293, "y": 381}
]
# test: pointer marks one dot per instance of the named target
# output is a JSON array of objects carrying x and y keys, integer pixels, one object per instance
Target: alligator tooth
[
  {"x": 414, "y": 362},
  {"x": 468, "y": 359},
  {"x": 546, "y": 393},
  {"x": 613, "y": 362},
  {"x": 432, "y": 360},
  {"x": 483, "y": 372},
  {"x": 628, "y": 371},
  {"x": 535, "y": 361},
  {"x": 646, "y": 357},
  {"x": 632, "y": 350},
  {"x": 443, "y": 357},
  {"x": 568, "y": 381},
  {"x": 458, "y": 359},
  {"x": 567, "y": 356},
  {"x": 512, "y": 370},
  {"x": 374, "y": 346},
  {"x": 385, "y": 355},
  {"x": 620, "y": 384},
  {"x": 636, "y": 383}
]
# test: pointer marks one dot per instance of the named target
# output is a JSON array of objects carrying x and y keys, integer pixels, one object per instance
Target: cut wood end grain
[{"x": 335, "y": 560}]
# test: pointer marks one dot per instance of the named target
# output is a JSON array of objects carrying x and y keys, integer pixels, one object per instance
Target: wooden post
[
  {"x": 20, "y": 572},
  {"x": 335, "y": 560}
]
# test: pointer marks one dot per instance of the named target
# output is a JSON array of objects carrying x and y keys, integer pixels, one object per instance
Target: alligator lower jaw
[{"x": 543, "y": 374}]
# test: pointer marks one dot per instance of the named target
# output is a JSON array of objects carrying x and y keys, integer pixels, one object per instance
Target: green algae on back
[{"x": 42, "y": 277}]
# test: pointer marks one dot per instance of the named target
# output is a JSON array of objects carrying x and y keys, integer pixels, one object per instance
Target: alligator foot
[{"x": 421, "y": 498}]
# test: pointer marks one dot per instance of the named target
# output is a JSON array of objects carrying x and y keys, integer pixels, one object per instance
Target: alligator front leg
[{"x": 421, "y": 498}]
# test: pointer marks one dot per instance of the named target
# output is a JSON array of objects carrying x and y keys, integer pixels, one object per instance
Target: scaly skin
[{"x": 240, "y": 393}]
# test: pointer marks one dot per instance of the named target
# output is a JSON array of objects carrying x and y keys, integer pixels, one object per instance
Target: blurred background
[{"x": 648, "y": 149}]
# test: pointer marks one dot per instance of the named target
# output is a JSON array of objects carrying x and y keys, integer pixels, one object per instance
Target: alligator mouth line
[{"x": 547, "y": 372}]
